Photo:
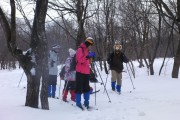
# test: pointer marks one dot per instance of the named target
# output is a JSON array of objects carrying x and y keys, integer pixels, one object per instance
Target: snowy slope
[{"x": 155, "y": 98}]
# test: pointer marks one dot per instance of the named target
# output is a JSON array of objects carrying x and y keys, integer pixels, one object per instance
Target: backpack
[{"x": 74, "y": 62}]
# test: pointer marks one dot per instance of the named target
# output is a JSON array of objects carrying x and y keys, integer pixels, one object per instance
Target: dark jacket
[{"x": 115, "y": 61}]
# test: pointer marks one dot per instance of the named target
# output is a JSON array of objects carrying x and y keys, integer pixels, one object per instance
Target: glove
[
  {"x": 52, "y": 63},
  {"x": 92, "y": 54}
]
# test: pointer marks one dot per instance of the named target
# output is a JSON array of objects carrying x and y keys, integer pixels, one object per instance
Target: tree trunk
[
  {"x": 36, "y": 59},
  {"x": 39, "y": 49},
  {"x": 151, "y": 69},
  {"x": 176, "y": 65},
  {"x": 45, "y": 76},
  {"x": 81, "y": 14},
  {"x": 32, "y": 95}
]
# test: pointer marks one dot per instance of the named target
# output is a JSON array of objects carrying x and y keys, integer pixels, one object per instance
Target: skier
[
  {"x": 115, "y": 61},
  {"x": 69, "y": 77},
  {"x": 82, "y": 72},
  {"x": 53, "y": 70}
]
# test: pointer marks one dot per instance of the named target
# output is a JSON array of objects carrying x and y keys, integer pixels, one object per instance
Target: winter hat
[
  {"x": 72, "y": 52},
  {"x": 56, "y": 48},
  {"x": 90, "y": 40},
  {"x": 117, "y": 46},
  {"x": 117, "y": 42}
]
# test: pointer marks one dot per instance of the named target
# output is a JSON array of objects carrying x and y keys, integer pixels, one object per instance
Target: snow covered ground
[{"x": 155, "y": 98}]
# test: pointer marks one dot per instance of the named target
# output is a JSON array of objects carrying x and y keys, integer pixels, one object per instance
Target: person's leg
[
  {"x": 86, "y": 90},
  {"x": 78, "y": 99},
  {"x": 113, "y": 79},
  {"x": 53, "y": 91},
  {"x": 119, "y": 82},
  {"x": 54, "y": 82},
  {"x": 49, "y": 90},
  {"x": 72, "y": 90},
  {"x": 86, "y": 99},
  {"x": 49, "y": 86},
  {"x": 78, "y": 88}
]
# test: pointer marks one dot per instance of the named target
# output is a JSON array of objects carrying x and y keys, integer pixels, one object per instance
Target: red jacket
[{"x": 82, "y": 62}]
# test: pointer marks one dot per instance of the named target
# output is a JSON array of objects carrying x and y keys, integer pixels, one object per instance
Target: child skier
[{"x": 69, "y": 77}]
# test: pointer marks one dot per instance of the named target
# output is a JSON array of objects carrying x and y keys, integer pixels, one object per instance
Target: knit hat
[
  {"x": 72, "y": 52},
  {"x": 90, "y": 40},
  {"x": 56, "y": 48}
]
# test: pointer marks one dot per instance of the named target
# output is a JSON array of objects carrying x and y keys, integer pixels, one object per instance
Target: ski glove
[{"x": 91, "y": 55}]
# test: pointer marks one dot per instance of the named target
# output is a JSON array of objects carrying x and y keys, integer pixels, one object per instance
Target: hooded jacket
[{"x": 82, "y": 62}]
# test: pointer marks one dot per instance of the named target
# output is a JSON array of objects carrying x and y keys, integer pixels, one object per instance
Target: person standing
[
  {"x": 83, "y": 72},
  {"x": 69, "y": 77},
  {"x": 53, "y": 70},
  {"x": 115, "y": 61}
]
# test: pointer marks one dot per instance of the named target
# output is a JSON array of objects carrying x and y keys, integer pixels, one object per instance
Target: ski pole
[
  {"x": 130, "y": 76},
  {"x": 20, "y": 79},
  {"x": 102, "y": 82},
  {"x": 59, "y": 87},
  {"x": 95, "y": 93},
  {"x": 132, "y": 70},
  {"x": 106, "y": 81}
]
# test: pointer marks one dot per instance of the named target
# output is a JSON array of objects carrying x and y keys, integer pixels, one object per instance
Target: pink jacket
[{"x": 82, "y": 62}]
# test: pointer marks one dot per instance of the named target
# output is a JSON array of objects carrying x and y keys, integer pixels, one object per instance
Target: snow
[{"x": 154, "y": 98}]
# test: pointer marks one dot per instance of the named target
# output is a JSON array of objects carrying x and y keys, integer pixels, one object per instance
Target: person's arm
[
  {"x": 80, "y": 56},
  {"x": 109, "y": 59},
  {"x": 125, "y": 59}
]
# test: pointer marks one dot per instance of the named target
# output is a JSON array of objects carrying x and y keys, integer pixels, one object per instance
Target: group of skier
[{"x": 76, "y": 71}]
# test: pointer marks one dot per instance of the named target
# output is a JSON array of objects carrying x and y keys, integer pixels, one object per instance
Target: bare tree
[
  {"x": 169, "y": 13},
  {"x": 77, "y": 8},
  {"x": 35, "y": 61}
]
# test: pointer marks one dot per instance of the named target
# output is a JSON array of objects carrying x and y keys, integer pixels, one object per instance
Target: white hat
[
  {"x": 72, "y": 52},
  {"x": 90, "y": 40},
  {"x": 56, "y": 46}
]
